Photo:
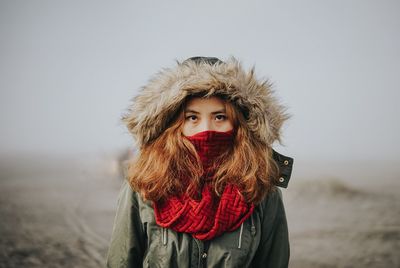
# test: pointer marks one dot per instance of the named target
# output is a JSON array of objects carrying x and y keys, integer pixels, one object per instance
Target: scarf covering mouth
[
  {"x": 212, "y": 215},
  {"x": 210, "y": 145}
]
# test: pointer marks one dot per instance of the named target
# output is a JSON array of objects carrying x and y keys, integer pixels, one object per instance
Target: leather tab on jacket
[{"x": 285, "y": 164}]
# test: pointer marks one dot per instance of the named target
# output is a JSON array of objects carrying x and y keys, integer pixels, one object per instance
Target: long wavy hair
[{"x": 169, "y": 165}]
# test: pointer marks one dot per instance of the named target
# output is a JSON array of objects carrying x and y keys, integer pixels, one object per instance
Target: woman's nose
[{"x": 206, "y": 125}]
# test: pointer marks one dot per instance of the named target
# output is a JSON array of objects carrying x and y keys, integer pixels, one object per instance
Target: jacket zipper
[
  {"x": 203, "y": 252},
  {"x": 204, "y": 255}
]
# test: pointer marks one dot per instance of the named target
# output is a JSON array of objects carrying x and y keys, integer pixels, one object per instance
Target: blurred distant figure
[{"x": 123, "y": 159}]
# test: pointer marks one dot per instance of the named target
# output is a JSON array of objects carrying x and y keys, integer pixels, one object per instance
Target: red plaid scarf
[{"x": 210, "y": 216}]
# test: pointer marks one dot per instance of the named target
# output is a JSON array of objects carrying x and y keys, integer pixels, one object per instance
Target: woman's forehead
[{"x": 205, "y": 103}]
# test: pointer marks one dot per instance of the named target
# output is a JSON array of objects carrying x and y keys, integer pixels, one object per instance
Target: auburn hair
[{"x": 169, "y": 165}]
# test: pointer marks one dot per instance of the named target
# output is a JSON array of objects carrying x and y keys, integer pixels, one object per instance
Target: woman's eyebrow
[
  {"x": 222, "y": 111},
  {"x": 191, "y": 111}
]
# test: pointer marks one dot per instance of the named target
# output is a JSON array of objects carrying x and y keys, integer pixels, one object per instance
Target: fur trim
[{"x": 157, "y": 103}]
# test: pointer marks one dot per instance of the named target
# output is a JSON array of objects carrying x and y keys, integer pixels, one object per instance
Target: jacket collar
[{"x": 285, "y": 164}]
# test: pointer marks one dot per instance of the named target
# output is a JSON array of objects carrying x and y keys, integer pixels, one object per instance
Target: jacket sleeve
[
  {"x": 128, "y": 239},
  {"x": 274, "y": 249}
]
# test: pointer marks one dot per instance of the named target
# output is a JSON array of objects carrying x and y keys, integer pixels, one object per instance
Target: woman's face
[{"x": 203, "y": 114}]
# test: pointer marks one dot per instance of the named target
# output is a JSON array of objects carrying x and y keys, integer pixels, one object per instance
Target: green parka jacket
[{"x": 261, "y": 241}]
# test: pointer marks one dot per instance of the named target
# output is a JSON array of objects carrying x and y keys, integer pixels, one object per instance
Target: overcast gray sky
[{"x": 69, "y": 68}]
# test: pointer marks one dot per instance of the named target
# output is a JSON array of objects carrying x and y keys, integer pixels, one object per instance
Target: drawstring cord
[
  {"x": 252, "y": 231},
  {"x": 253, "y": 226},
  {"x": 240, "y": 236},
  {"x": 164, "y": 236}
]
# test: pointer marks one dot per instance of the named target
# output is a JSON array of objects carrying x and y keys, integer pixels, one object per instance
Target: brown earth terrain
[{"x": 59, "y": 213}]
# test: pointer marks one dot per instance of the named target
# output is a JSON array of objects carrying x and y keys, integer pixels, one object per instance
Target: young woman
[{"x": 202, "y": 191}]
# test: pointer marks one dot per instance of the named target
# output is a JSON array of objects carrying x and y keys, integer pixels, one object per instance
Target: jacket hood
[{"x": 157, "y": 103}]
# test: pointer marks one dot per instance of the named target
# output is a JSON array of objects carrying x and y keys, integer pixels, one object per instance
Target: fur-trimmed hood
[{"x": 157, "y": 103}]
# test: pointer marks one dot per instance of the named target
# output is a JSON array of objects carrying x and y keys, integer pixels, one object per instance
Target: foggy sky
[{"x": 69, "y": 68}]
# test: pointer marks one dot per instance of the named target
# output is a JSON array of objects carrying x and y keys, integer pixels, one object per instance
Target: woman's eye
[
  {"x": 220, "y": 117},
  {"x": 191, "y": 117}
]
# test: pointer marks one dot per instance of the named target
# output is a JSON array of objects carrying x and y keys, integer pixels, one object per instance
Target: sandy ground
[{"x": 59, "y": 213}]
